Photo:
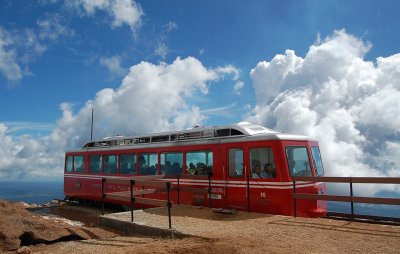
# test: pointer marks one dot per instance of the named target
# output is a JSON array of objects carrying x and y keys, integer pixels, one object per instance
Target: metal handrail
[
  {"x": 131, "y": 197},
  {"x": 351, "y": 199}
]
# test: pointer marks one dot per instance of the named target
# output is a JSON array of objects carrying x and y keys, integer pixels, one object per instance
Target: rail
[
  {"x": 155, "y": 187},
  {"x": 131, "y": 194},
  {"x": 179, "y": 188},
  {"x": 352, "y": 199}
]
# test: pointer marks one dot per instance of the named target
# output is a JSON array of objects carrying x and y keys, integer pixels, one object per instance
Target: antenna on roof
[{"x": 91, "y": 127}]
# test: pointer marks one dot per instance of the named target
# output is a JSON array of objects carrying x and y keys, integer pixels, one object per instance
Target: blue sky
[
  {"x": 328, "y": 69},
  {"x": 215, "y": 32}
]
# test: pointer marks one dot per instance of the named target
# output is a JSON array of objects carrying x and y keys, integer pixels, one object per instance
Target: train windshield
[
  {"x": 317, "y": 160},
  {"x": 298, "y": 161}
]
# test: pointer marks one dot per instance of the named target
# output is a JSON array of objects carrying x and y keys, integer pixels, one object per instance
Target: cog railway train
[{"x": 245, "y": 166}]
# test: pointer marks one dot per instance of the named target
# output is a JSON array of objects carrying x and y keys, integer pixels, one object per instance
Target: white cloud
[
  {"x": 349, "y": 104},
  {"x": 126, "y": 12},
  {"x": 161, "y": 50},
  {"x": 29, "y": 46},
  {"x": 8, "y": 57},
  {"x": 26, "y": 157},
  {"x": 17, "y": 48},
  {"x": 235, "y": 73},
  {"x": 170, "y": 26},
  {"x": 113, "y": 64},
  {"x": 13, "y": 127},
  {"x": 219, "y": 111},
  {"x": 231, "y": 70},
  {"x": 238, "y": 87},
  {"x": 52, "y": 28},
  {"x": 123, "y": 12},
  {"x": 47, "y": 2},
  {"x": 151, "y": 98},
  {"x": 90, "y": 6},
  {"x": 155, "y": 95}
]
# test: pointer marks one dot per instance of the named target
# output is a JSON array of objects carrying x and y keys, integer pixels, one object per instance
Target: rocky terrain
[{"x": 20, "y": 227}]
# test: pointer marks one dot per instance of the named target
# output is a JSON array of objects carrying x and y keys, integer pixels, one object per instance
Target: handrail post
[
  {"x": 169, "y": 204},
  {"x": 294, "y": 198},
  {"x": 351, "y": 195},
  {"x": 209, "y": 190},
  {"x": 102, "y": 195},
  {"x": 177, "y": 176},
  {"x": 132, "y": 182},
  {"x": 248, "y": 191}
]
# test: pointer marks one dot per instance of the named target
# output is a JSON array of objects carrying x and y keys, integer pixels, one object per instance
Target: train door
[{"x": 235, "y": 178}]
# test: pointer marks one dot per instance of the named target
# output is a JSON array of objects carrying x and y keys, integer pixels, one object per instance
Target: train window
[
  {"x": 68, "y": 164},
  {"x": 222, "y": 132},
  {"x": 262, "y": 162},
  {"x": 110, "y": 164},
  {"x": 148, "y": 163},
  {"x": 298, "y": 161},
  {"x": 199, "y": 163},
  {"x": 317, "y": 160},
  {"x": 171, "y": 163},
  {"x": 78, "y": 164},
  {"x": 236, "y": 166},
  {"x": 96, "y": 164},
  {"x": 127, "y": 164}
]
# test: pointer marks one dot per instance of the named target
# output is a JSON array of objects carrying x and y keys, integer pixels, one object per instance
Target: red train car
[{"x": 250, "y": 167}]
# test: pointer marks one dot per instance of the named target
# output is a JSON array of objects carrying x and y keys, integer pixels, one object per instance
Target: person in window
[
  {"x": 292, "y": 168},
  {"x": 191, "y": 168},
  {"x": 176, "y": 168},
  {"x": 166, "y": 169},
  {"x": 269, "y": 171},
  {"x": 256, "y": 171}
]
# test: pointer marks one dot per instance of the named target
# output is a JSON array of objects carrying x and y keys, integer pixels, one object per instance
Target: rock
[
  {"x": 225, "y": 211},
  {"x": 19, "y": 227},
  {"x": 26, "y": 205},
  {"x": 24, "y": 250}
]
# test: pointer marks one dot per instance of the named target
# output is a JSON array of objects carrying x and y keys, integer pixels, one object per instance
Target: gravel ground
[
  {"x": 274, "y": 233},
  {"x": 242, "y": 232}
]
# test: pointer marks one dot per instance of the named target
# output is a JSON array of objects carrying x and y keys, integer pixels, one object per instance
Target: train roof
[{"x": 234, "y": 131}]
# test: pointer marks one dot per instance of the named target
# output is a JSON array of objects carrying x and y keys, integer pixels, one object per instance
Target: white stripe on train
[{"x": 217, "y": 183}]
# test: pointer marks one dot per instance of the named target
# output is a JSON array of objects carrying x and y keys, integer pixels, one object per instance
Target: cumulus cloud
[
  {"x": 26, "y": 157},
  {"x": 126, "y": 12},
  {"x": 150, "y": 98},
  {"x": 123, "y": 12},
  {"x": 349, "y": 104}
]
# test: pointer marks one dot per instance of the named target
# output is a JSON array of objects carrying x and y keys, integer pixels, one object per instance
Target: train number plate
[{"x": 215, "y": 196}]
